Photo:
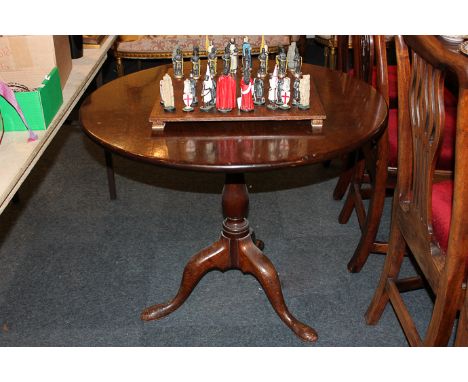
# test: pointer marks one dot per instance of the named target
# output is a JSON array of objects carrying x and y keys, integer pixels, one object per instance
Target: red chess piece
[{"x": 247, "y": 95}]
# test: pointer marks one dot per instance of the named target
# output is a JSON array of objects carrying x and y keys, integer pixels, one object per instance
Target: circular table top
[{"x": 116, "y": 116}]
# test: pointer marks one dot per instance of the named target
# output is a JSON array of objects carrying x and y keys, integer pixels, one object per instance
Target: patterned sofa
[{"x": 161, "y": 47}]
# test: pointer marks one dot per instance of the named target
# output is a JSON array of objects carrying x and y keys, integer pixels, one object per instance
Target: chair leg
[
  {"x": 373, "y": 217},
  {"x": 119, "y": 66},
  {"x": 110, "y": 175},
  {"x": 332, "y": 58},
  {"x": 462, "y": 332},
  {"x": 345, "y": 178},
  {"x": 445, "y": 311},
  {"x": 353, "y": 199},
  {"x": 393, "y": 260},
  {"x": 325, "y": 57}
]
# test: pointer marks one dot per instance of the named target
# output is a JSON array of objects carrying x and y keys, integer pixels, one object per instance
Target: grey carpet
[{"x": 76, "y": 269}]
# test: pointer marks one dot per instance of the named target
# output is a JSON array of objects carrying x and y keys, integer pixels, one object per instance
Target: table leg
[
  {"x": 235, "y": 249},
  {"x": 110, "y": 174}
]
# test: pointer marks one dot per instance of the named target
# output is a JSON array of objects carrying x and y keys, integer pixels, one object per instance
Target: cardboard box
[
  {"x": 40, "y": 106},
  {"x": 18, "y": 53}
]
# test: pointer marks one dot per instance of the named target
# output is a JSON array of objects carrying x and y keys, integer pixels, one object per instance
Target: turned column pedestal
[{"x": 235, "y": 249}]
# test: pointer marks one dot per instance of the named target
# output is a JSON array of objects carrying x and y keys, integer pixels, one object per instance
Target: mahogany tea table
[{"x": 116, "y": 116}]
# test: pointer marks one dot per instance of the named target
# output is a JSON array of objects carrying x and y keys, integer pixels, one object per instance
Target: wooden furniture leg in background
[
  {"x": 377, "y": 167},
  {"x": 235, "y": 249},
  {"x": 110, "y": 175}
]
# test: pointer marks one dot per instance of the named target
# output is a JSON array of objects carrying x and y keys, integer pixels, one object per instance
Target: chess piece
[
  {"x": 285, "y": 93},
  {"x": 297, "y": 62},
  {"x": 193, "y": 88},
  {"x": 246, "y": 54},
  {"x": 234, "y": 52},
  {"x": 212, "y": 61},
  {"x": 208, "y": 92},
  {"x": 167, "y": 93},
  {"x": 290, "y": 55},
  {"x": 266, "y": 52},
  {"x": 187, "y": 96},
  {"x": 178, "y": 63},
  {"x": 263, "y": 58},
  {"x": 304, "y": 91},
  {"x": 272, "y": 91},
  {"x": 259, "y": 99},
  {"x": 195, "y": 59},
  {"x": 279, "y": 89},
  {"x": 296, "y": 94},
  {"x": 246, "y": 86},
  {"x": 226, "y": 60},
  {"x": 281, "y": 62},
  {"x": 209, "y": 47},
  {"x": 226, "y": 93}
]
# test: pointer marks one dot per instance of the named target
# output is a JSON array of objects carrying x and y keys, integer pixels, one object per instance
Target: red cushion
[
  {"x": 446, "y": 156},
  {"x": 446, "y": 159},
  {"x": 449, "y": 98},
  {"x": 442, "y": 197},
  {"x": 392, "y": 81},
  {"x": 393, "y": 137}
]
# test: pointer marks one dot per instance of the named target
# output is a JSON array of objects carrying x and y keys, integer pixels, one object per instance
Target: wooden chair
[
  {"x": 356, "y": 178},
  {"x": 365, "y": 173},
  {"x": 429, "y": 219}
]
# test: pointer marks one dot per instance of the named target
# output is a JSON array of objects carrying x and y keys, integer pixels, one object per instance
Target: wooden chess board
[{"x": 159, "y": 117}]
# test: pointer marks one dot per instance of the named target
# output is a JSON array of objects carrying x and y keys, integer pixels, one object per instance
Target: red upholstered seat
[
  {"x": 392, "y": 137},
  {"x": 450, "y": 100},
  {"x": 446, "y": 156},
  {"x": 442, "y": 197},
  {"x": 392, "y": 82}
]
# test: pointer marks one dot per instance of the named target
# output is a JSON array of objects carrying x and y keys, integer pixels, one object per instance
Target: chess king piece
[
  {"x": 259, "y": 99},
  {"x": 226, "y": 91},
  {"x": 195, "y": 59},
  {"x": 234, "y": 52},
  {"x": 212, "y": 61},
  {"x": 178, "y": 62},
  {"x": 273, "y": 90},
  {"x": 304, "y": 91},
  {"x": 226, "y": 60},
  {"x": 246, "y": 54},
  {"x": 290, "y": 55},
  {"x": 208, "y": 91},
  {"x": 263, "y": 58},
  {"x": 296, "y": 93},
  {"x": 167, "y": 93},
  {"x": 281, "y": 62},
  {"x": 285, "y": 93},
  {"x": 187, "y": 96},
  {"x": 247, "y": 88},
  {"x": 297, "y": 62}
]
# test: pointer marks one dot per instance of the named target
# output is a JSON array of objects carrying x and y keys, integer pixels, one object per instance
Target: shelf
[{"x": 18, "y": 157}]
